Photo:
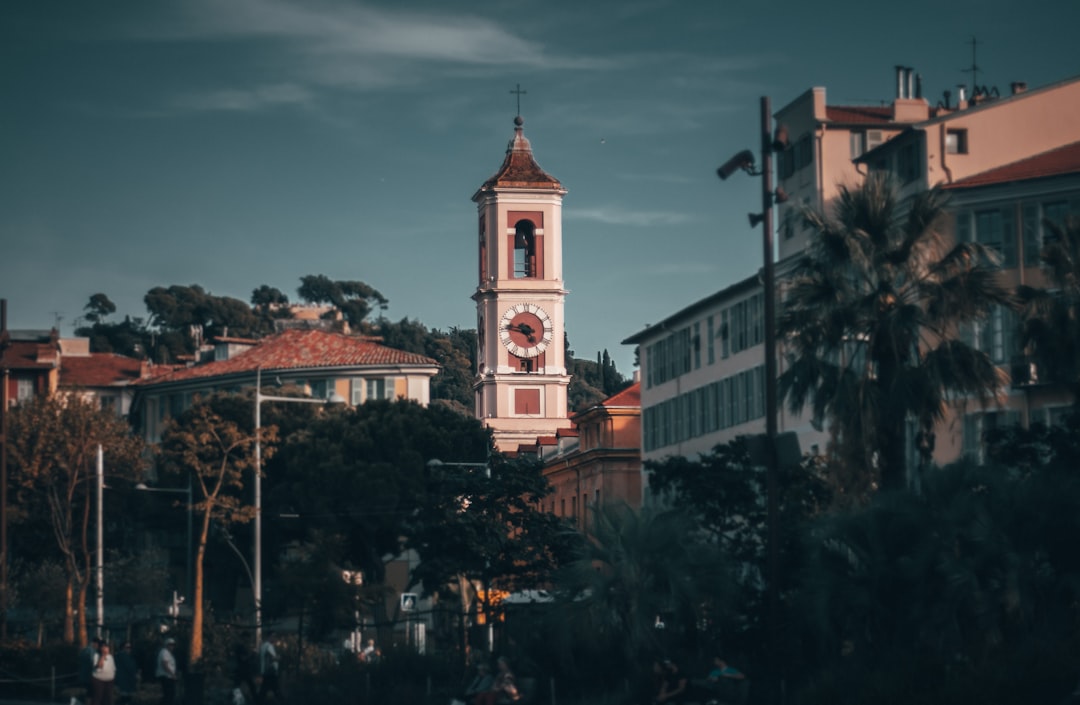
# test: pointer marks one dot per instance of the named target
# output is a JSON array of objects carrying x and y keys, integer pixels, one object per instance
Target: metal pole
[
  {"x": 100, "y": 542},
  {"x": 772, "y": 489},
  {"x": 256, "y": 580},
  {"x": 190, "y": 540},
  {"x": 3, "y": 490}
]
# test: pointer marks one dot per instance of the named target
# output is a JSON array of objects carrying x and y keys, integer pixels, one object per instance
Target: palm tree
[
  {"x": 1052, "y": 315},
  {"x": 871, "y": 320},
  {"x": 641, "y": 571}
]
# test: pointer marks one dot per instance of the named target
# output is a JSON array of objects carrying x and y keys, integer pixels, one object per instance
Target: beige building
[
  {"x": 596, "y": 462},
  {"x": 325, "y": 363},
  {"x": 1008, "y": 161}
]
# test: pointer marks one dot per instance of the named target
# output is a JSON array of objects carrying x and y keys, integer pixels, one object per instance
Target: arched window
[{"x": 524, "y": 250}]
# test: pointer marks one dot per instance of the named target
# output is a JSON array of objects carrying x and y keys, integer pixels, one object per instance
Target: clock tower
[{"x": 521, "y": 378}]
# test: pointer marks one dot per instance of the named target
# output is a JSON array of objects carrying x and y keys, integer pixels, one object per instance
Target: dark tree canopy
[{"x": 353, "y": 299}]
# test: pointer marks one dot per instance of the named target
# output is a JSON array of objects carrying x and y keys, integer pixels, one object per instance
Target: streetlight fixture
[
  {"x": 189, "y": 504},
  {"x": 256, "y": 586},
  {"x": 744, "y": 160}
]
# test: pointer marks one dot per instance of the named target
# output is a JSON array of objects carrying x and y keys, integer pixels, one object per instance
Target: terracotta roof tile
[
  {"x": 29, "y": 355},
  {"x": 1056, "y": 162},
  {"x": 631, "y": 396},
  {"x": 547, "y": 441},
  {"x": 566, "y": 433},
  {"x": 99, "y": 370},
  {"x": 298, "y": 348},
  {"x": 859, "y": 114},
  {"x": 519, "y": 168}
]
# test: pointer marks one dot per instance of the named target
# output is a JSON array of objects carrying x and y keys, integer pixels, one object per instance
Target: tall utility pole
[{"x": 3, "y": 476}]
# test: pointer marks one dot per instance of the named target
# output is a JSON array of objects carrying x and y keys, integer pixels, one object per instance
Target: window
[
  {"x": 976, "y": 427},
  {"x": 1035, "y": 230},
  {"x": 956, "y": 141},
  {"x": 858, "y": 144},
  {"x": 874, "y": 138},
  {"x": 524, "y": 250},
  {"x": 697, "y": 345},
  {"x": 907, "y": 163},
  {"x": 380, "y": 388},
  {"x": 24, "y": 389},
  {"x": 994, "y": 227},
  {"x": 804, "y": 152},
  {"x": 997, "y": 335},
  {"x": 356, "y": 392},
  {"x": 711, "y": 335},
  {"x": 670, "y": 357}
]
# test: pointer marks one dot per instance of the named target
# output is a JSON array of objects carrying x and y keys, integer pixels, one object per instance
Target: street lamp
[
  {"x": 256, "y": 586},
  {"x": 744, "y": 160},
  {"x": 189, "y": 570}
]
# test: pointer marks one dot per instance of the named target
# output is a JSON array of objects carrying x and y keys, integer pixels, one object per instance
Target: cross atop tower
[{"x": 518, "y": 92}]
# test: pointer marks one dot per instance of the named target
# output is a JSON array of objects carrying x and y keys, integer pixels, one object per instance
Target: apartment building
[{"x": 1008, "y": 161}]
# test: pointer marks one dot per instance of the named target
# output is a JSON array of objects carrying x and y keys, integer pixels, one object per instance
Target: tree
[
  {"x": 1052, "y": 315},
  {"x": 210, "y": 447},
  {"x": 53, "y": 443},
  {"x": 353, "y": 299},
  {"x": 482, "y": 526},
  {"x": 638, "y": 587},
  {"x": 871, "y": 318},
  {"x": 357, "y": 476},
  {"x": 98, "y": 308}
]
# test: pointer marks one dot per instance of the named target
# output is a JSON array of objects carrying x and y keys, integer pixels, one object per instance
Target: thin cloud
[
  {"x": 244, "y": 100},
  {"x": 624, "y": 217}
]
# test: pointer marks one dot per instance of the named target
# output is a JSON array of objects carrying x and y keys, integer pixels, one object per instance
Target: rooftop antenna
[
  {"x": 974, "y": 70},
  {"x": 518, "y": 92}
]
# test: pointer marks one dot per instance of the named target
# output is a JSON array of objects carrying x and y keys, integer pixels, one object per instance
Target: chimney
[
  {"x": 909, "y": 77},
  {"x": 918, "y": 86},
  {"x": 961, "y": 97},
  {"x": 900, "y": 82},
  {"x": 1018, "y": 87}
]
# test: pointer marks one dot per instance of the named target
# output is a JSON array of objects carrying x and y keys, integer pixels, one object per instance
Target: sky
[{"x": 236, "y": 143}]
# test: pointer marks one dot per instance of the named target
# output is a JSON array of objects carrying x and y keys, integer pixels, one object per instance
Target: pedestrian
[
  {"x": 269, "y": 667},
  {"x": 127, "y": 674},
  {"x": 673, "y": 684},
  {"x": 103, "y": 676},
  {"x": 504, "y": 689},
  {"x": 370, "y": 653},
  {"x": 244, "y": 673},
  {"x": 87, "y": 661},
  {"x": 165, "y": 671}
]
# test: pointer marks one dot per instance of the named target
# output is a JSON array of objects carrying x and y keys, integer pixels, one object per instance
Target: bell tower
[{"x": 521, "y": 378}]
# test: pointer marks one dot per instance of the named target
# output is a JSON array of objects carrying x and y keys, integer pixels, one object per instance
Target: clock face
[{"x": 525, "y": 330}]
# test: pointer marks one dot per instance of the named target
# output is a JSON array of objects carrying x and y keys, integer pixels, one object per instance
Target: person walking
[
  {"x": 127, "y": 674},
  {"x": 165, "y": 671},
  {"x": 269, "y": 667},
  {"x": 101, "y": 684}
]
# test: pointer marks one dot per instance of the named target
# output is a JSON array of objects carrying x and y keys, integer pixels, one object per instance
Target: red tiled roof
[
  {"x": 29, "y": 355},
  {"x": 859, "y": 114},
  {"x": 297, "y": 348},
  {"x": 566, "y": 433},
  {"x": 99, "y": 370},
  {"x": 631, "y": 396},
  {"x": 519, "y": 168},
  {"x": 547, "y": 441},
  {"x": 1056, "y": 162}
]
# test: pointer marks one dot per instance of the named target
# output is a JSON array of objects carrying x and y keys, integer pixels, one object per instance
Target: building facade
[
  {"x": 1007, "y": 162},
  {"x": 324, "y": 363},
  {"x": 598, "y": 461},
  {"x": 521, "y": 379}
]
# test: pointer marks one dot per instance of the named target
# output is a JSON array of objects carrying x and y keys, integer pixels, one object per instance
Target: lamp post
[
  {"x": 744, "y": 160},
  {"x": 189, "y": 572},
  {"x": 256, "y": 583}
]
